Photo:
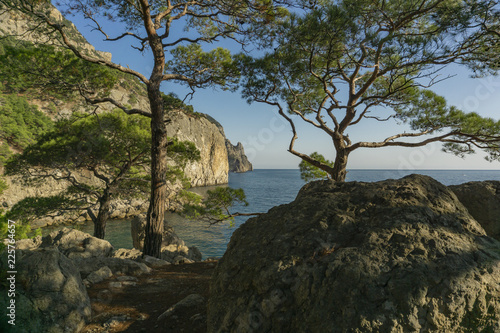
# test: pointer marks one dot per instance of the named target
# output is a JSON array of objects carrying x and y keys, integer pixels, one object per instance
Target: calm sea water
[{"x": 265, "y": 189}]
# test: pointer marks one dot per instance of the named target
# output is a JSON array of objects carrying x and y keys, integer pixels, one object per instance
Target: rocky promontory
[
  {"x": 238, "y": 161},
  {"x": 393, "y": 256}
]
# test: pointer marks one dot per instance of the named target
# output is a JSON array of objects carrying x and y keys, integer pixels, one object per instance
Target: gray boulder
[
  {"x": 482, "y": 200},
  {"x": 100, "y": 275},
  {"x": 117, "y": 266},
  {"x": 50, "y": 295},
  {"x": 393, "y": 256}
]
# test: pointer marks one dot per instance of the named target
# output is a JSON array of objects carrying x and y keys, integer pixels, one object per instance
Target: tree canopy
[
  {"x": 21, "y": 122},
  {"x": 50, "y": 72},
  {"x": 342, "y": 62},
  {"x": 309, "y": 172}
]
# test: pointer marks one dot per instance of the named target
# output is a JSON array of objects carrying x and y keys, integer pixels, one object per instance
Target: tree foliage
[
  {"x": 171, "y": 31},
  {"x": 343, "y": 62},
  {"x": 309, "y": 172},
  {"x": 21, "y": 229},
  {"x": 215, "y": 206},
  {"x": 3, "y": 185},
  {"x": 48, "y": 71},
  {"x": 21, "y": 123}
]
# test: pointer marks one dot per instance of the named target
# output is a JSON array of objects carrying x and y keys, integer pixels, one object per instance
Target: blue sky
[{"x": 266, "y": 137}]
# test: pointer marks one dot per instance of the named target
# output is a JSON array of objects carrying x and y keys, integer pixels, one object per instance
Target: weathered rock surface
[
  {"x": 16, "y": 24},
  {"x": 50, "y": 295},
  {"x": 70, "y": 242},
  {"x": 238, "y": 161},
  {"x": 212, "y": 168},
  {"x": 393, "y": 256},
  {"x": 101, "y": 274},
  {"x": 482, "y": 200},
  {"x": 117, "y": 266}
]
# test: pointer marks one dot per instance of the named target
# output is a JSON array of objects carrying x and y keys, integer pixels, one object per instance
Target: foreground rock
[
  {"x": 482, "y": 200},
  {"x": 393, "y": 256},
  {"x": 50, "y": 295}
]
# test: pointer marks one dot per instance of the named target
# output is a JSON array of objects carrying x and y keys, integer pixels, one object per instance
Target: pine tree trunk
[
  {"x": 340, "y": 167},
  {"x": 156, "y": 211},
  {"x": 102, "y": 216}
]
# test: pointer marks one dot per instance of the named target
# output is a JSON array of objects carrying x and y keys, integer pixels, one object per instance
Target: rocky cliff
[
  {"x": 392, "y": 256},
  {"x": 212, "y": 169},
  {"x": 238, "y": 161}
]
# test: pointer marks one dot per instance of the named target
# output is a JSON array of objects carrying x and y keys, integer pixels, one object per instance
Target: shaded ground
[{"x": 136, "y": 305}]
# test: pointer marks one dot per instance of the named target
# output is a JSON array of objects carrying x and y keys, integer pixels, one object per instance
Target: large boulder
[
  {"x": 482, "y": 200},
  {"x": 50, "y": 296},
  {"x": 393, "y": 256}
]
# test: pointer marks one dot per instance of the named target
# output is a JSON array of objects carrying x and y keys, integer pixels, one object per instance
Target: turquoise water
[{"x": 265, "y": 189}]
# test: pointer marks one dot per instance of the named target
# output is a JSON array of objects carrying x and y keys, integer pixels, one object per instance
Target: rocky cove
[{"x": 392, "y": 256}]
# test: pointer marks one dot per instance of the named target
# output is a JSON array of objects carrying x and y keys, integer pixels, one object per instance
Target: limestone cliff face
[
  {"x": 238, "y": 161},
  {"x": 213, "y": 167}
]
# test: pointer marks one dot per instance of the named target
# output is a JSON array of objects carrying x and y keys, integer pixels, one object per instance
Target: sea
[{"x": 265, "y": 189}]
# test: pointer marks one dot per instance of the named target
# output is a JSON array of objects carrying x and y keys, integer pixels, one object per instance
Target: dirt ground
[{"x": 136, "y": 305}]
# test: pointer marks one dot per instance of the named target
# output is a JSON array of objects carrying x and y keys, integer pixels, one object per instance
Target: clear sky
[{"x": 266, "y": 137}]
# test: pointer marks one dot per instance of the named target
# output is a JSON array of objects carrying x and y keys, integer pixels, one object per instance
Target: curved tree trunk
[
  {"x": 102, "y": 216},
  {"x": 156, "y": 210},
  {"x": 339, "y": 172}
]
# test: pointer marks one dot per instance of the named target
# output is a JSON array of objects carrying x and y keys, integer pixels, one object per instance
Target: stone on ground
[{"x": 50, "y": 295}]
